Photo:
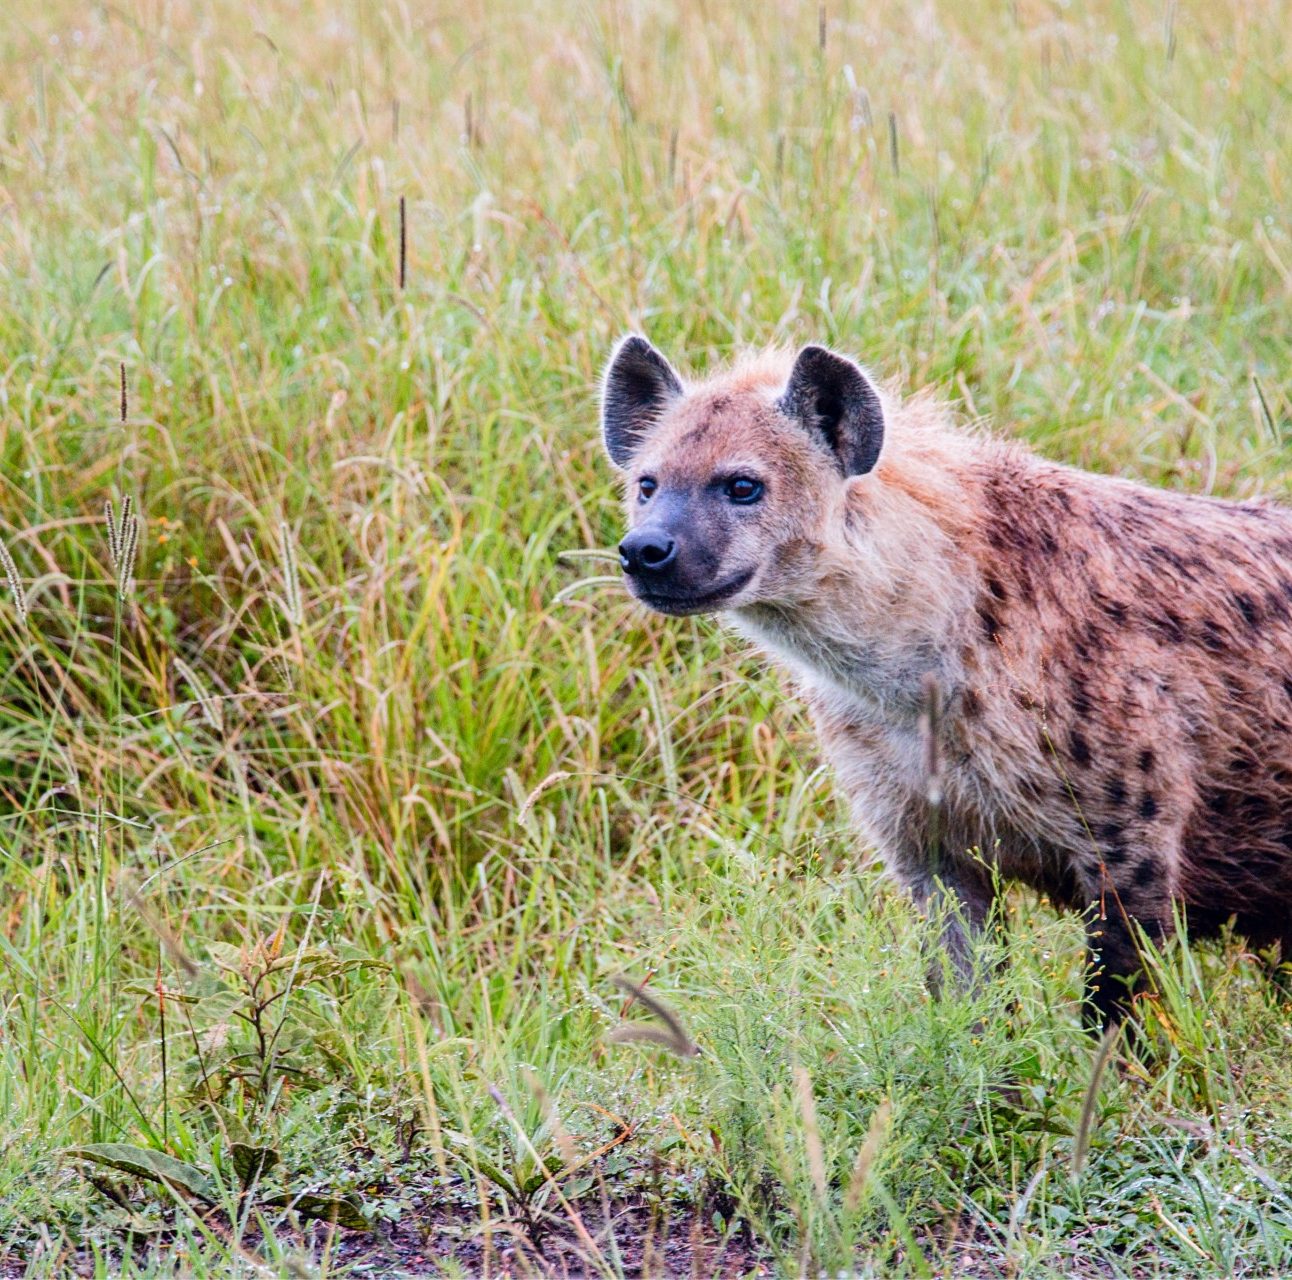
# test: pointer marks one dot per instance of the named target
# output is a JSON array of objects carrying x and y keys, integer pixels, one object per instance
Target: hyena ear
[
  {"x": 639, "y": 385},
  {"x": 834, "y": 400}
]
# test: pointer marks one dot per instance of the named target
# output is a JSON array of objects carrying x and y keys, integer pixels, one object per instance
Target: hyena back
[{"x": 1114, "y": 661}]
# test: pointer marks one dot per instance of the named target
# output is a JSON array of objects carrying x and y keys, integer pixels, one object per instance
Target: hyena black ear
[
  {"x": 639, "y": 385},
  {"x": 833, "y": 399}
]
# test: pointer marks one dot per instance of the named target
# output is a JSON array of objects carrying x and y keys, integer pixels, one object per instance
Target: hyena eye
[
  {"x": 743, "y": 490},
  {"x": 645, "y": 487}
]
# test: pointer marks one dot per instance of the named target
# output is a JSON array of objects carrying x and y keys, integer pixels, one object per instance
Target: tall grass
[{"x": 319, "y": 294}]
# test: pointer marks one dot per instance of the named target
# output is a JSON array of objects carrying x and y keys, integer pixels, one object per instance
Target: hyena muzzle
[{"x": 1113, "y": 662}]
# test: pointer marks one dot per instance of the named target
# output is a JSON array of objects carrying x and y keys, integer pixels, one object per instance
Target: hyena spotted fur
[{"x": 1114, "y": 661}]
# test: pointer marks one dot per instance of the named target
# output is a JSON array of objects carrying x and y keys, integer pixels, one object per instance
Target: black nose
[{"x": 647, "y": 551}]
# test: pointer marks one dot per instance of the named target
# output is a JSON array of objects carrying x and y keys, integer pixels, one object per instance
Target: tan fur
[{"x": 1115, "y": 661}]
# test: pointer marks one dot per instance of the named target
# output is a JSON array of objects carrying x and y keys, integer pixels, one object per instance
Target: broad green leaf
[
  {"x": 144, "y": 1162},
  {"x": 228, "y": 1121},
  {"x": 228, "y": 957},
  {"x": 344, "y": 1211},
  {"x": 251, "y": 1162},
  {"x": 466, "y": 1151},
  {"x": 149, "y": 992}
]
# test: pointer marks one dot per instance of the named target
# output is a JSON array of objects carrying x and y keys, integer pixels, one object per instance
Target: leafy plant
[
  {"x": 250, "y": 1165},
  {"x": 255, "y": 1037}
]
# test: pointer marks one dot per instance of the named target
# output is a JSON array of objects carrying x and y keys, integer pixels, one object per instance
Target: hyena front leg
[
  {"x": 1125, "y": 893},
  {"x": 958, "y": 892},
  {"x": 963, "y": 901}
]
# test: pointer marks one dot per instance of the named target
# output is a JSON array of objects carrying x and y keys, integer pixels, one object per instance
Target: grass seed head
[{"x": 16, "y": 588}]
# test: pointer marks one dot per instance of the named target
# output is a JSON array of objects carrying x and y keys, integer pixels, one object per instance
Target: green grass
[{"x": 381, "y": 793}]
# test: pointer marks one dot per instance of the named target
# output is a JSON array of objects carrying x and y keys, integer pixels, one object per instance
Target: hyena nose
[{"x": 646, "y": 551}]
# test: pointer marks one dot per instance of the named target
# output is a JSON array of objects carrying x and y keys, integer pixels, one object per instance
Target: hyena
[{"x": 1114, "y": 661}]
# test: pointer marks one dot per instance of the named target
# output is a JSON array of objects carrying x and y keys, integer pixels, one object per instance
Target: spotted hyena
[{"x": 1114, "y": 661}]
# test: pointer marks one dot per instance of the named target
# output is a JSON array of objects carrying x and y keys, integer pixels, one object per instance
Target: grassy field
[{"x": 335, "y": 795}]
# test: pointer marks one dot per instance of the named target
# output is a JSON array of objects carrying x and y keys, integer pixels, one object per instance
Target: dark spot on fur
[
  {"x": 1169, "y": 555},
  {"x": 1112, "y": 840},
  {"x": 1287, "y": 686},
  {"x": 1146, "y": 873},
  {"x": 1167, "y": 623},
  {"x": 1213, "y": 636},
  {"x": 1256, "y": 809},
  {"x": 1079, "y": 748},
  {"x": 1026, "y": 543},
  {"x": 1115, "y": 790},
  {"x": 1092, "y": 641},
  {"x": 1247, "y": 607},
  {"x": 1116, "y": 611},
  {"x": 1145, "y": 760},
  {"x": 971, "y": 704},
  {"x": 1081, "y": 704},
  {"x": 990, "y": 623},
  {"x": 1148, "y": 806},
  {"x": 1217, "y": 801},
  {"x": 996, "y": 589}
]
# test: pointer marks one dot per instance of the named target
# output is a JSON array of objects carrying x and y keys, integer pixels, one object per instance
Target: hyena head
[{"x": 733, "y": 484}]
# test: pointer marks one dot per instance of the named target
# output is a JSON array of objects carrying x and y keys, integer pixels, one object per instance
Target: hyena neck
[
  {"x": 887, "y": 608},
  {"x": 869, "y": 675}
]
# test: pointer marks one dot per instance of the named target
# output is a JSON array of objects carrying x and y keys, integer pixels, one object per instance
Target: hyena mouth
[{"x": 679, "y": 604}]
